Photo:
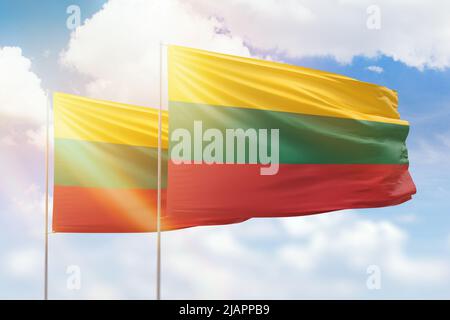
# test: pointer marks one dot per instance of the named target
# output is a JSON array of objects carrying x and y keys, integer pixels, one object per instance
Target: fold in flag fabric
[
  {"x": 252, "y": 138},
  {"x": 106, "y": 164}
]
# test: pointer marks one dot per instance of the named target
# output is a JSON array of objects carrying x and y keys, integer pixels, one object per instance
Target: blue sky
[
  {"x": 37, "y": 27},
  {"x": 410, "y": 242}
]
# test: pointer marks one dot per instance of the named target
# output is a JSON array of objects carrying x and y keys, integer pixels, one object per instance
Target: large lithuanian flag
[
  {"x": 106, "y": 157},
  {"x": 340, "y": 143}
]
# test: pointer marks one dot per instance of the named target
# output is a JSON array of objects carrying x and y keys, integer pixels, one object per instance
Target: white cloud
[
  {"x": 21, "y": 134},
  {"x": 22, "y": 263},
  {"x": 339, "y": 29},
  {"x": 23, "y": 102},
  {"x": 29, "y": 206},
  {"x": 327, "y": 254},
  {"x": 8, "y": 141},
  {"x": 326, "y": 259},
  {"x": 47, "y": 53},
  {"x": 118, "y": 48},
  {"x": 103, "y": 292},
  {"x": 432, "y": 151},
  {"x": 21, "y": 94},
  {"x": 360, "y": 242},
  {"x": 406, "y": 218},
  {"x": 448, "y": 241},
  {"x": 37, "y": 136},
  {"x": 376, "y": 69},
  {"x": 23, "y": 105},
  {"x": 31, "y": 201}
]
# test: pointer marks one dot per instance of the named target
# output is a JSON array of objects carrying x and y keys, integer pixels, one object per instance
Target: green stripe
[
  {"x": 107, "y": 165},
  {"x": 304, "y": 139}
]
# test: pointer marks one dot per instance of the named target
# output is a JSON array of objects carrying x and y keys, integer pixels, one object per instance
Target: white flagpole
[
  {"x": 158, "y": 217},
  {"x": 46, "y": 198}
]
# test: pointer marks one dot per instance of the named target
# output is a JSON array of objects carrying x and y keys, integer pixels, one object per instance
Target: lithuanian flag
[
  {"x": 106, "y": 160},
  {"x": 314, "y": 141}
]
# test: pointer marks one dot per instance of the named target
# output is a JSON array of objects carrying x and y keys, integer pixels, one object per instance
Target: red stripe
[
  {"x": 203, "y": 192},
  {"x": 97, "y": 210}
]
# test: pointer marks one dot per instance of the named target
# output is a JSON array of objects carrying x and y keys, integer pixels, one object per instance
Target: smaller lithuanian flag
[
  {"x": 106, "y": 155},
  {"x": 106, "y": 161}
]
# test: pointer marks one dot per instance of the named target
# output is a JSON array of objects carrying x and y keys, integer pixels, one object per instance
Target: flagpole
[
  {"x": 46, "y": 199},
  {"x": 158, "y": 217}
]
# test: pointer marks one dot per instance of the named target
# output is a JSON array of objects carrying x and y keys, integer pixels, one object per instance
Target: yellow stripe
[
  {"x": 102, "y": 121},
  {"x": 198, "y": 76}
]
